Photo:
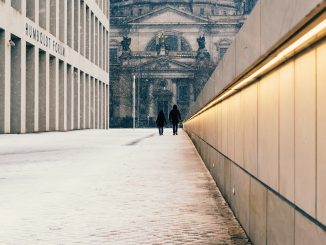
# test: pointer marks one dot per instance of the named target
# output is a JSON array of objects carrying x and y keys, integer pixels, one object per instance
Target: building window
[
  {"x": 212, "y": 11},
  {"x": 172, "y": 44},
  {"x": 222, "y": 52},
  {"x": 182, "y": 93},
  {"x": 113, "y": 55},
  {"x": 163, "y": 84},
  {"x": 140, "y": 11},
  {"x": 202, "y": 11}
]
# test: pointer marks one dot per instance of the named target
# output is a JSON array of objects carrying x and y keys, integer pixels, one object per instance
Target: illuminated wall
[{"x": 265, "y": 145}]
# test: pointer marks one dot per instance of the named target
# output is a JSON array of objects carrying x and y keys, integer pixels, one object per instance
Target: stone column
[
  {"x": 151, "y": 110},
  {"x": 174, "y": 92},
  {"x": 7, "y": 78},
  {"x": 191, "y": 94}
]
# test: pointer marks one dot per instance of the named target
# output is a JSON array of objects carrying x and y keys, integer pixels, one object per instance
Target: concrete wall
[
  {"x": 46, "y": 51},
  {"x": 265, "y": 145}
]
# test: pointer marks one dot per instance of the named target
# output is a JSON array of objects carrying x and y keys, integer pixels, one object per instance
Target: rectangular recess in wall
[
  {"x": 42, "y": 91},
  {"x": 87, "y": 100},
  {"x": 42, "y": 14},
  {"x": 53, "y": 92},
  {"x": 107, "y": 52},
  {"x": 100, "y": 46},
  {"x": 87, "y": 45},
  {"x": 82, "y": 27},
  {"x": 53, "y": 17},
  {"x": 82, "y": 99},
  {"x": 107, "y": 105},
  {"x": 15, "y": 86},
  {"x": 62, "y": 9},
  {"x": 92, "y": 38},
  {"x": 75, "y": 93},
  {"x": 61, "y": 95},
  {"x": 96, "y": 41},
  {"x": 96, "y": 103},
  {"x": 69, "y": 97},
  {"x": 76, "y": 24},
  {"x": 30, "y": 87},
  {"x": 30, "y": 9},
  {"x": 17, "y": 4},
  {"x": 100, "y": 97},
  {"x": 92, "y": 102},
  {"x": 2, "y": 80},
  {"x": 69, "y": 23}
]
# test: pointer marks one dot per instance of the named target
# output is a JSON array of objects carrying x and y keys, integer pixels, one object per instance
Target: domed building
[{"x": 169, "y": 49}]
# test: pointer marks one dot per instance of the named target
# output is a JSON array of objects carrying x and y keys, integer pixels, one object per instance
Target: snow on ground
[{"x": 108, "y": 187}]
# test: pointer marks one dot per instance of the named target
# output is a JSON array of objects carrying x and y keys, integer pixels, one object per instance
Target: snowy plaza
[{"x": 109, "y": 187}]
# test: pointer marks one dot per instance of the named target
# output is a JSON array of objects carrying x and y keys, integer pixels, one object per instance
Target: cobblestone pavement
[{"x": 109, "y": 187}]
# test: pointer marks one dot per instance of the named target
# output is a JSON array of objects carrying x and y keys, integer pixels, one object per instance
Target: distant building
[
  {"x": 53, "y": 65},
  {"x": 171, "y": 47}
]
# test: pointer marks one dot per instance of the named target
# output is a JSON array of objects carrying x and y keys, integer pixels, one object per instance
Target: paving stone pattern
[{"x": 109, "y": 187}]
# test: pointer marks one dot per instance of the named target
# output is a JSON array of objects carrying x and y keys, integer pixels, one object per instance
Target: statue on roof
[
  {"x": 126, "y": 52},
  {"x": 125, "y": 43},
  {"x": 201, "y": 42},
  {"x": 161, "y": 46}
]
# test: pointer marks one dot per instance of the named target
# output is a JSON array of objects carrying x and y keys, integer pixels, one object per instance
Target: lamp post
[{"x": 134, "y": 102}]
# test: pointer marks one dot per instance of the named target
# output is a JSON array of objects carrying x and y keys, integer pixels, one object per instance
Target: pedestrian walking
[
  {"x": 175, "y": 118},
  {"x": 160, "y": 122}
]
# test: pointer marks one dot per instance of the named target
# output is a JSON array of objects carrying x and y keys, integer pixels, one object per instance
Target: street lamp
[{"x": 134, "y": 102}]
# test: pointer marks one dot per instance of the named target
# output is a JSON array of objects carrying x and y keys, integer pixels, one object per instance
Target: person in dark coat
[
  {"x": 175, "y": 118},
  {"x": 160, "y": 122}
]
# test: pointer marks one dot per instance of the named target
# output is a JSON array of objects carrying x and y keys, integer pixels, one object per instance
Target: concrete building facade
[
  {"x": 53, "y": 65},
  {"x": 259, "y": 123},
  {"x": 159, "y": 43}
]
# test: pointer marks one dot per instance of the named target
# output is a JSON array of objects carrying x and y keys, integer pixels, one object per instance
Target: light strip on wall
[{"x": 283, "y": 55}]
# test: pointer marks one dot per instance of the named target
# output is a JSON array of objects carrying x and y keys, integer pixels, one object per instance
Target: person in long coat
[
  {"x": 175, "y": 118},
  {"x": 160, "y": 122}
]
